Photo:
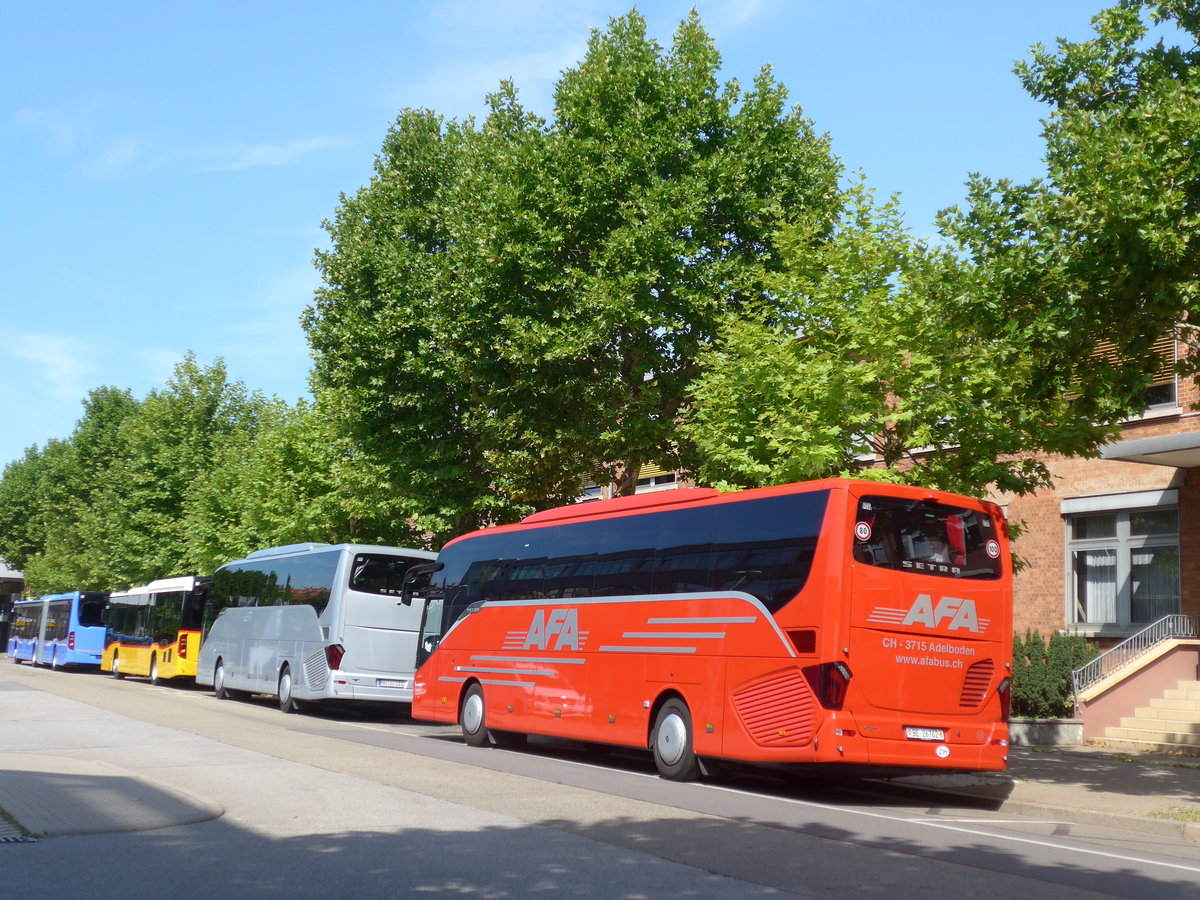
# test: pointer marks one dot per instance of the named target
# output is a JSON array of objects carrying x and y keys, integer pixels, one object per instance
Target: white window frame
[{"x": 1122, "y": 506}]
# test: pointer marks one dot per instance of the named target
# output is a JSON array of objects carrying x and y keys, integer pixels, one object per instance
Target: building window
[{"x": 1124, "y": 566}]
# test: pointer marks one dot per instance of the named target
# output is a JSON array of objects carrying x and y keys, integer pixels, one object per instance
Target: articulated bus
[
  {"x": 840, "y": 622},
  {"x": 154, "y": 630},
  {"x": 58, "y": 630},
  {"x": 313, "y": 622}
]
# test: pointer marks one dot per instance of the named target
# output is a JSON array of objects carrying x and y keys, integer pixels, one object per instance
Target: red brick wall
[{"x": 1041, "y": 589}]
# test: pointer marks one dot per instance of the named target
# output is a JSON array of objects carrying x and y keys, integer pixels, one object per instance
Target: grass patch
[{"x": 1177, "y": 814}]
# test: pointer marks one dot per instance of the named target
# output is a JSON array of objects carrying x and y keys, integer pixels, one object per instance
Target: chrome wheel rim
[
  {"x": 672, "y": 735},
  {"x": 472, "y": 715}
]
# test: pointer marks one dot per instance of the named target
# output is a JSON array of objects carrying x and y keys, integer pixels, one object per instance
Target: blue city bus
[{"x": 59, "y": 630}]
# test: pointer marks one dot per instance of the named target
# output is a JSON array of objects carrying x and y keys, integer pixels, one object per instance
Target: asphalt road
[{"x": 371, "y": 804}]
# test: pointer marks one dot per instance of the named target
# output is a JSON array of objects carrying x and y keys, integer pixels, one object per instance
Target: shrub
[{"x": 1041, "y": 687}]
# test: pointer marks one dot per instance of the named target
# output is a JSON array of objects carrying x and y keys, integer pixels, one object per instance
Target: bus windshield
[{"x": 926, "y": 537}]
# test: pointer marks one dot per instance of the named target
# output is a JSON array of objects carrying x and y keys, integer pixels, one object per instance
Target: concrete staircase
[{"x": 1170, "y": 724}]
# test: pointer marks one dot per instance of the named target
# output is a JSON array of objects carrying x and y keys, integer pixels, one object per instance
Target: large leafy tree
[
  {"x": 1105, "y": 248},
  {"x": 296, "y": 479},
  {"x": 955, "y": 367},
  {"x": 508, "y": 307},
  {"x": 108, "y": 506}
]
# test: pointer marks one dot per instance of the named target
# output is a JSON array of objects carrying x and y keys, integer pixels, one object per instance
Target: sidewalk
[{"x": 1148, "y": 793}]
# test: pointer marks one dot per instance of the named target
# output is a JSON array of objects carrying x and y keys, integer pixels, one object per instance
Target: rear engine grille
[
  {"x": 976, "y": 684},
  {"x": 779, "y": 710},
  {"x": 316, "y": 671}
]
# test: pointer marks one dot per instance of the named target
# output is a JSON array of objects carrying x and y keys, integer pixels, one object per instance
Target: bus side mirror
[{"x": 410, "y": 580}]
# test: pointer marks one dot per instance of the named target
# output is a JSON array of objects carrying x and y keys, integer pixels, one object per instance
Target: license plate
[
  {"x": 391, "y": 682},
  {"x": 925, "y": 734}
]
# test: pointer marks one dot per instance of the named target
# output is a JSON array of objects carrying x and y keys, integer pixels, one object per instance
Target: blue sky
[{"x": 166, "y": 167}]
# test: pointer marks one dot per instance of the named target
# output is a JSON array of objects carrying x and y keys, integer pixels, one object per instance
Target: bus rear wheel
[
  {"x": 287, "y": 702},
  {"x": 671, "y": 741},
  {"x": 472, "y": 717},
  {"x": 219, "y": 681}
]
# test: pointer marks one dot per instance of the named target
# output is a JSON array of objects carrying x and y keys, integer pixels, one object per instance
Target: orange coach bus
[{"x": 831, "y": 622}]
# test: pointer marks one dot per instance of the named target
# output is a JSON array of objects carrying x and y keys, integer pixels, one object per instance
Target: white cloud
[
  {"x": 62, "y": 133},
  {"x": 238, "y": 157},
  {"x": 61, "y": 363}
]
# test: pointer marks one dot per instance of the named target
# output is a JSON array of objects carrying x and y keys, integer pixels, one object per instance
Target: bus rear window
[{"x": 926, "y": 537}]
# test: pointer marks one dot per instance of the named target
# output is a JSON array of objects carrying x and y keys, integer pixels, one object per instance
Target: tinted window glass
[
  {"x": 26, "y": 621},
  {"x": 624, "y": 565},
  {"x": 926, "y": 537},
  {"x": 766, "y": 547},
  {"x": 685, "y": 550},
  {"x": 59, "y": 622},
  {"x": 167, "y": 610},
  {"x": 762, "y": 547},
  {"x": 381, "y": 573},
  {"x": 91, "y": 609},
  {"x": 282, "y": 581}
]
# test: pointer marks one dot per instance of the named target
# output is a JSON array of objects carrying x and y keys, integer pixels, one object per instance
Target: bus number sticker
[{"x": 862, "y": 531}]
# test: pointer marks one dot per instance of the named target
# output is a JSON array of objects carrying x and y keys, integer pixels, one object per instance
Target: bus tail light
[
  {"x": 333, "y": 656},
  {"x": 183, "y": 650},
  {"x": 1005, "y": 692},
  {"x": 830, "y": 683},
  {"x": 71, "y": 641}
]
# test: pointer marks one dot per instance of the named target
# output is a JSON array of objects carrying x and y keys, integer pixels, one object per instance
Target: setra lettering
[{"x": 562, "y": 624}]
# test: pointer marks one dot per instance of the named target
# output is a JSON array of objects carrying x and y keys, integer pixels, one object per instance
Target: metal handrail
[{"x": 1165, "y": 629}]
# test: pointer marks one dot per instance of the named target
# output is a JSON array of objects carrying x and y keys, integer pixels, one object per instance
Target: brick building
[{"x": 1115, "y": 545}]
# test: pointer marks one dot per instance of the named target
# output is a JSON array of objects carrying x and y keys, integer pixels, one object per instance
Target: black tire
[
  {"x": 116, "y": 667},
  {"x": 154, "y": 669},
  {"x": 671, "y": 741},
  {"x": 219, "y": 681},
  {"x": 472, "y": 717},
  {"x": 287, "y": 703}
]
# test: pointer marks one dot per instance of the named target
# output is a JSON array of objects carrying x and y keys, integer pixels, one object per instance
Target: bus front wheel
[
  {"x": 116, "y": 667},
  {"x": 472, "y": 717},
  {"x": 154, "y": 670},
  {"x": 672, "y": 742},
  {"x": 287, "y": 702}
]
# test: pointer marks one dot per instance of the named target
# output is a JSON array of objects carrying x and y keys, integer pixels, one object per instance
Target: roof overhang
[{"x": 1181, "y": 451}]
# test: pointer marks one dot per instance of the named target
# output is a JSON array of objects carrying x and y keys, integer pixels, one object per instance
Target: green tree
[
  {"x": 48, "y": 499},
  {"x": 872, "y": 360},
  {"x": 294, "y": 480},
  {"x": 957, "y": 366},
  {"x": 507, "y": 307},
  {"x": 1107, "y": 246}
]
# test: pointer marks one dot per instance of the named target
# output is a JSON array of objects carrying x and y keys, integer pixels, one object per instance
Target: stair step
[
  {"x": 1155, "y": 712},
  {"x": 1149, "y": 746},
  {"x": 1182, "y": 693},
  {"x": 1148, "y": 723},
  {"x": 1161, "y": 703},
  {"x": 1152, "y": 735}
]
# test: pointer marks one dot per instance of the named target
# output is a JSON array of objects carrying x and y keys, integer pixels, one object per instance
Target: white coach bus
[{"x": 313, "y": 622}]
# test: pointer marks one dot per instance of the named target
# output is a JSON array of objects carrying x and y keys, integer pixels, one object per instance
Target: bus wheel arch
[
  {"x": 154, "y": 668},
  {"x": 116, "y": 666},
  {"x": 672, "y": 740}
]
